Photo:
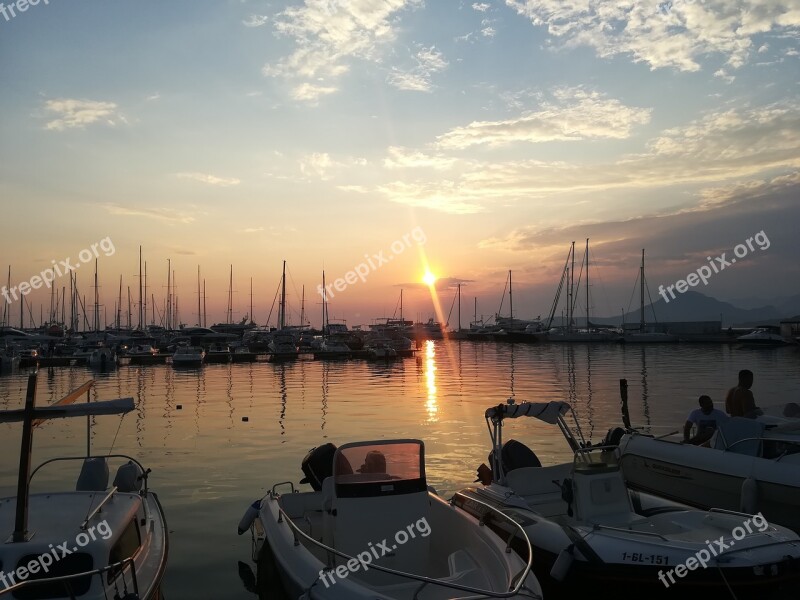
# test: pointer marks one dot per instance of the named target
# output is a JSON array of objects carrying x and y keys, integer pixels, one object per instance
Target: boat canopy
[{"x": 549, "y": 412}]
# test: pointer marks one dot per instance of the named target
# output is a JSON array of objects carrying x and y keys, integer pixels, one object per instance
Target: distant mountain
[{"x": 694, "y": 306}]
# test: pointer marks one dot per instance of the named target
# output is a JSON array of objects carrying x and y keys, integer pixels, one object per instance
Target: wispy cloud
[
  {"x": 159, "y": 214},
  {"x": 255, "y": 21},
  {"x": 252, "y": 229},
  {"x": 402, "y": 158},
  {"x": 677, "y": 36},
  {"x": 311, "y": 93},
  {"x": 72, "y": 114},
  {"x": 480, "y": 6},
  {"x": 210, "y": 179},
  {"x": 329, "y": 35},
  {"x": 418, "y": 79},
  {"x": 573, "y": 114},
  {"x": 320, "y": 165}
]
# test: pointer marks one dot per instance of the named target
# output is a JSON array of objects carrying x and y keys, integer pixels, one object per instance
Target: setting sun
[{"x": 429, "y": 278}]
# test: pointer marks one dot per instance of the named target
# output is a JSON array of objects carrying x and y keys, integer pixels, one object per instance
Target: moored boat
[
  {"x": 378, "y": 532},
  {"x": 588, "y": 529},
  {"x": 93, "y": 543}
]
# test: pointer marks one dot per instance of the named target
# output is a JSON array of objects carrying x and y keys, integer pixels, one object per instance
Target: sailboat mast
[
  {"x": 5, "y": 306},
  {"x": 119, "y": 304},
  {"x": 641, "y": 294},
  {"x": 96, "y": 300},
  {"x": 199, "y": 313},
  {"x": 144, "y": 298},
  {"x": 459, "y": 307},
  {"x": 205, "y": 320},
  {"x": 587, "y": 285},
  {"x": 510, "y": 299},
  {"x": 230, "y": 297},
  {"x": 251, "y": 299},
  {"x": 303, "y": 307},
  {"x": 571, "y": 291},
  {"x": 283, "y": 297},
  {"x": 324, "y": 307},
  {"x": 168, "y": 307},
  {"x": 142, "y": 320}
]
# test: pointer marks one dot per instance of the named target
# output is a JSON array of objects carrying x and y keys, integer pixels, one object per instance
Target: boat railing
[
  {"x": 114, "y": 570},
  {"x": 143, "y": 476},
  {"x": 516, "y": 583}
]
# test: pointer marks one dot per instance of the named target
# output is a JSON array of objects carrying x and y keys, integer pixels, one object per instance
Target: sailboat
[
  {"x": 333, "y": 345},
  {"x": 643, "y": 336},
  {"x": 283, "y": 345},
  {"x": 569, "y": 333}
]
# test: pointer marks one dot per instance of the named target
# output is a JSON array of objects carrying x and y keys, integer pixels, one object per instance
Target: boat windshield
[
  {"x": 377, "y": 468},
  {"x": 596, "y": 460}
]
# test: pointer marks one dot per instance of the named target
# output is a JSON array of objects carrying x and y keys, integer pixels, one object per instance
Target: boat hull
[{"x": 710, "y": 478}]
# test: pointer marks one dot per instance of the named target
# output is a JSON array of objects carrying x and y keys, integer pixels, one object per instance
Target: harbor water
[{"x": 218, "y": 437}]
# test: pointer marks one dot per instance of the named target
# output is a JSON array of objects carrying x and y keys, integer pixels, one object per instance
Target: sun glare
[{"x": 429, "y": 278}]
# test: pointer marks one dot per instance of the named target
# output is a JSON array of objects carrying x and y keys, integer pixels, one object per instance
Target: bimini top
[
  {"x": 549, "y": 412},
  {"x": 379, "y": 468}
]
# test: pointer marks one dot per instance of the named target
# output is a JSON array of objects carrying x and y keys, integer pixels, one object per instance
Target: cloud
[
  {"x": 401, "y": 158},
  {"x": 209, "y": 179},
  {"x": 255, "y": 21},
  {"x": 72, "y": 114},
  {"x": 159, "y": 214},
  {"x": 252, "y": 229},
  {"x": 575, "y": 114},
  {"x": 320, "y": 165},
  {"x": 675, "y": 35},
  {"x": 718, "y": 147},
  {"x": 418, "y": 79},
  {"x": 328, "y": 35},
  {"x": 310, "y": 93},
  {"x": 480, "y": 7}
]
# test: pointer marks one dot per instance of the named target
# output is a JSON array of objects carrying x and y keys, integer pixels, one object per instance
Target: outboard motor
[
  {"x": 317, "y": 465},
  {"x": 129, "y": 478},
  {"x": 613, "y": 436},
  {"x": 516, "y": 455}
]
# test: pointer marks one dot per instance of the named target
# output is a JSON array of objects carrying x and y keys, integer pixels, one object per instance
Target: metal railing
[{"x": 120, "y": 568}]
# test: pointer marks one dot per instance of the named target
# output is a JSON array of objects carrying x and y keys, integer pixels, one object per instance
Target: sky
[{"x": 395, "y": 137}]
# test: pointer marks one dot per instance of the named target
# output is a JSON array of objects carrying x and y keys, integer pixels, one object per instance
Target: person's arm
[{"x": 687, "y": 430}]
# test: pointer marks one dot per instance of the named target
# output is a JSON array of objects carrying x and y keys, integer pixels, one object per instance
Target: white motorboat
[
  {"x": 380, "y": 348},
  {"x": 751, "y": 465},
  {"x": 145, "y": 350},
  {"x": 94, "y": 543},
  {"x": 333, "y": 347},
  {"x": 188, "y": 356},
  {"x": 586, "y": 528},
  {"x": 765, "y": 336},
  {"x": 218, "y": 353},
  {"x": 102, "y": 359},
  {"x": 378, "y": 532}
]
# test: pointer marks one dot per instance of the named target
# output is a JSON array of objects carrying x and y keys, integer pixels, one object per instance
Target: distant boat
[
  {"x": 765, "y": 335},
  {"x": 102, "y": 359},
  {"x": 9, "y": 360},
  {"x": 188, "y": 356},
  {"x": 282, "y": 346},
  {"x": 380, "y": 348},
  {"x": 218, "y": 353}
]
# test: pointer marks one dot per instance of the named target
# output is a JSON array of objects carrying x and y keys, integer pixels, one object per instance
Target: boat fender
[
  {"x": 249, "y": 516},
  {"x": 748, "y": 501},
  {"x": 563, "y": 563}
]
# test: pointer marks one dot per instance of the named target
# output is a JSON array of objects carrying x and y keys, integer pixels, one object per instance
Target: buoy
[
  {"x": 179, "y": 407},
  {"x": 563, "y": 564},
  {"x": 249, "y": 516},
  {"x": 245, "y": 419},
  {"x": 748, "y": 501}
]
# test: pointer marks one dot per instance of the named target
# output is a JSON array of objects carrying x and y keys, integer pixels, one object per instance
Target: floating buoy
[
  {"x": 245, "y": 419},
  {"x": 179, "y": 407},
  {"x": 562, "y": 564},
  {"x": 748, "y": 501},
  {"x": 249, "y": 516}
]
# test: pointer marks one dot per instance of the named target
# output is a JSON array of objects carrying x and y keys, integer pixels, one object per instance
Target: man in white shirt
[{"x": 706, "y": 418}]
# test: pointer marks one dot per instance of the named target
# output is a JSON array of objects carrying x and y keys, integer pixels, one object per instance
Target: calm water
[{"x": 208, "y": 464}]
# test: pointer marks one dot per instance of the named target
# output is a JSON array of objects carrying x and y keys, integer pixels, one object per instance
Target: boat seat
[
  {"x": 464, "y": 571},
  {"x": 537, "y": 481},
  {"x": 602, "y": 497},
  {"x": 93, "y": 476}
]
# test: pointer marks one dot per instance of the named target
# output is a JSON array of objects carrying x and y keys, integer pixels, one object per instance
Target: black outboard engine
[
  {"x": 317, "y": 465},
  {"x": 613, "y": 436},
  {"x": 516, "y": 455}
]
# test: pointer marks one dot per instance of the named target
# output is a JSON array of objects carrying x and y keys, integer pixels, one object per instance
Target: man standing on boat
[
  {"x": 740, "y": 402},
  {"x": 706, "y": 418}
]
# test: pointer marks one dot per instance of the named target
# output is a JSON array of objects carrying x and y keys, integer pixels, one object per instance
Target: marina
[{"x": 217, "y": 435}]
